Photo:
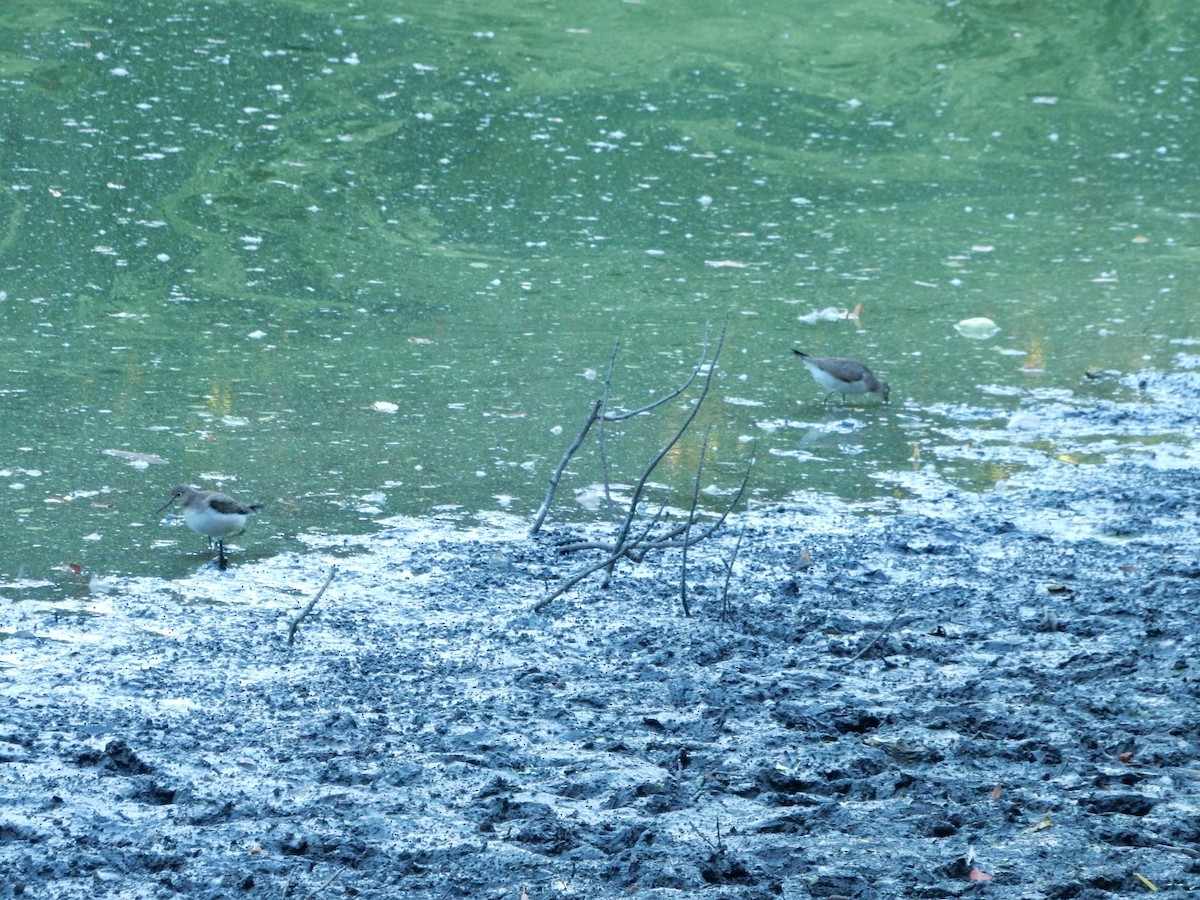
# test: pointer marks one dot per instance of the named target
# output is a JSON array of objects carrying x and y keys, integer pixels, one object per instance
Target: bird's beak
[{"x": 164, "y": 506}]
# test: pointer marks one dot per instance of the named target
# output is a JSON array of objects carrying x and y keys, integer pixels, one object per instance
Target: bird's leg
[{"x": 222, "y": 562}]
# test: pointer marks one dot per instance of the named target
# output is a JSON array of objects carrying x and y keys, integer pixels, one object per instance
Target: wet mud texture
[{"x": 963, "y": 688}]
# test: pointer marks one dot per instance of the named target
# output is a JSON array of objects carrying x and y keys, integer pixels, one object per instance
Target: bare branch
[
  {"x": 636, "y": 535},
  {"x": 593, "y": 417},
  {"x": 725, "y": 513},
  {"x": 639, "y": 489},
  {"x": 614, "y": 555},
  {"x": 609, "y": 547},
  {"x": 601, "y": 414},
  {"x": 696, "y": 370},
  {"x": 691, "y": 518},
  {"x": 637, "y": 549},
  {"x": 600, "y": 432}
]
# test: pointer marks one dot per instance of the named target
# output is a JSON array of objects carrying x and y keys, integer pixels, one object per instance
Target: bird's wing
[{"x": 225, "y": 504}]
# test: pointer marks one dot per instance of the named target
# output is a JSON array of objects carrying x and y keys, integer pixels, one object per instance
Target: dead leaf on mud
[
  {"x": 897, "y": 747},
  {"x": 1150, "y": 885}
]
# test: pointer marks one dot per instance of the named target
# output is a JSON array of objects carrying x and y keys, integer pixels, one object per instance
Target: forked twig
[
  {"x": 579, "y": 576},
  {"x": 635, "y": 537},
  {"x": 601, "y": 414},
  {"x": 696, "y": 370},
  {"x": 640, "y": 488},
  {"x": 668, "y": 540}
]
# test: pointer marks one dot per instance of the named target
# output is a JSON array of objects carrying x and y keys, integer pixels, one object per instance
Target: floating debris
[
  {"x": 137, "y": 460},
  {"x": 978, "y": 329}
]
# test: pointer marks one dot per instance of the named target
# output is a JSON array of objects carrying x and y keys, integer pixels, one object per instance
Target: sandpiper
[
  {"x": 212, "y": 514},
  {"x": 843, "y": 376}
]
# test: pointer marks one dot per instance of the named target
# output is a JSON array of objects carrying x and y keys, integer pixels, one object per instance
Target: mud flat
[{"x": 962, "y": 694}]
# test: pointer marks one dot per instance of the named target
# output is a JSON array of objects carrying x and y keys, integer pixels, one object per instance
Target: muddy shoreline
[{"x": 961, "y": 694}]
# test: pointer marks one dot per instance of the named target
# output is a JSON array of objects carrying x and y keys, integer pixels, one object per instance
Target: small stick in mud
[
  {"x": 338, "y": 873},
  {"x": 303, "y": 614},
  {"x": 875, "y": 640},
  {"x": 737, "y": 546},
  {"x": 719, "y": 846}
]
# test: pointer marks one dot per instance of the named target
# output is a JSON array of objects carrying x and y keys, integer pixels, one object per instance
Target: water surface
[{"x": 356, "y": 261}]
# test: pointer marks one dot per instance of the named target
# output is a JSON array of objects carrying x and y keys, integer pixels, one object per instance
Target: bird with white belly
[{"x": 212, "y": 514}]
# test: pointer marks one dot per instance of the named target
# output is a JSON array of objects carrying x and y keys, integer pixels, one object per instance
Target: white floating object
[
  {"x": 137, "y": 460},
  {"x": 1023, "y": 420},
  {"x": 98, "y": 585},
  {"x": 828, "y": 314},
  {"x": 977, "y": 329},
  {"x": 384, "y": 406},
  {"x": 742, "y": 401}
]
